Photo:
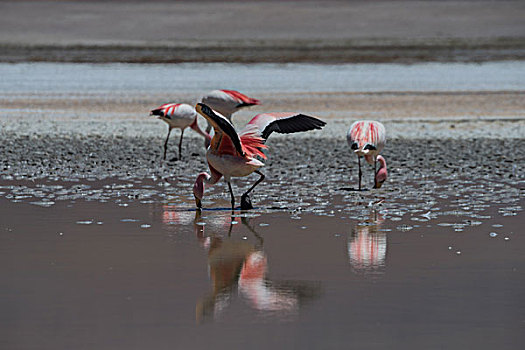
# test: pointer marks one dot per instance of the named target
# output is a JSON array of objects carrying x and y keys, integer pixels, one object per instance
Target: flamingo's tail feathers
[
  {"x": 166, "y": 110},
  {"x": 252, "y": 102},
  {"x": 252, "y": 142},
  {"x": 158, "y": 112},
  {"x": 244, "y": 101}
]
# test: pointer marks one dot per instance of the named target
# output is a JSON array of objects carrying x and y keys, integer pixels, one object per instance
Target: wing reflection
[
  {"x": 367, "y": 246},
  {"x": 238, "y": 267}
]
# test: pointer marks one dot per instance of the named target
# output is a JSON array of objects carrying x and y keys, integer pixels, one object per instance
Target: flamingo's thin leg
[
  {"x": 375, "y": 171},
  {"x": 360, "y": 173},
  {"x": 245, "y": 199},
  {"x": 166, "y": 143},
  {"x": 180, "y": 143},
  {"x": 232, "y": 196}
]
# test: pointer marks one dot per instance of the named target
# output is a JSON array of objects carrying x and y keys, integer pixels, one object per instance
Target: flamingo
[
  {"x": 178, "y": 115},
  {"x": 227, "y": 102},
  {"x": 367, "y": 139},
  {"x": 181, "y": 115},
  {"x": 233, "y": 154}
]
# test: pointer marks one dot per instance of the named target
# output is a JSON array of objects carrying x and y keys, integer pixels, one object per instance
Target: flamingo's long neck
[
  {"x": 382, "y": 162},
  {"x": 195, "y": 126},
  {"x": 204, "y": 178},
  {"x": 382, "y": 173},
  {"x": 225, "y": 111}
]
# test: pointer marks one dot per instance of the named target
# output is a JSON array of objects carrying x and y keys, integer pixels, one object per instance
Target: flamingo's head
[
  {"x": 213, "y": 117},
  {"x": 198, "y": 189},
  {"x": 381, "y": 174}
]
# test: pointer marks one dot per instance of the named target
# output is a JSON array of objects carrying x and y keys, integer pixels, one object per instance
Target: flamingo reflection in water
[
  {"x": 367, "y": 246},
  {"x": 238, "y": 266}
]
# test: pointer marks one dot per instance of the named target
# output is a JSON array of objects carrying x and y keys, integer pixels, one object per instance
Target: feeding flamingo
[
  {"x": 227, "y": 102},
  {"x": 367, "y": 139},
  {"x": 178, "y": 115},
  {"x": 233, "y": 154}
]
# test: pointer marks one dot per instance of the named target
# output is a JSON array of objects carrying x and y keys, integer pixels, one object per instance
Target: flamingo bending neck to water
[
  {"x": 367, "y": 139},
  {"x": 181, "y": 116},
  {"x": 233, "y": 154}
]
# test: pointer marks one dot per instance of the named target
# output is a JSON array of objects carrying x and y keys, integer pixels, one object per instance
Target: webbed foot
[{"x": 246, "y": 202}]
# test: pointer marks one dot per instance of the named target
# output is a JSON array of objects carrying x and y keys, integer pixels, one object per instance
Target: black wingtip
[
  {"x": 246, "y": 104},
  {"x": 318, "y": 123},
  {"x": 297, "y": 123}
]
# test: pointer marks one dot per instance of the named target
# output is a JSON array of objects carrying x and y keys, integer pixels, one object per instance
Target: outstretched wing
[
  {"x": 285, "y": 123},
  {"x": 221, "y": 125}
]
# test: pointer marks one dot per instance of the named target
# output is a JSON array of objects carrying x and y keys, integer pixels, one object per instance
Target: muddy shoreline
[
  {"x": 303, "y": 174},
  {"x": 276, "y": 51}
]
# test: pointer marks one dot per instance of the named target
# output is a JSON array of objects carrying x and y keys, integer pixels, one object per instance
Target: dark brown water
[{"x": 86, "y": 275}]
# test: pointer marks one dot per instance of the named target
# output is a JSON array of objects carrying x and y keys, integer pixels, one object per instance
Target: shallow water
[
  {"x": 259, "y": 78},
  {"x": 91, "y": 275}
]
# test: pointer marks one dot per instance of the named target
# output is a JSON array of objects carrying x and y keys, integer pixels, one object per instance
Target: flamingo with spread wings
[
  {"x": 181, "y": 116},
  {"x": 233, "y": 154},
  {"x": 367, "y": 139}
]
